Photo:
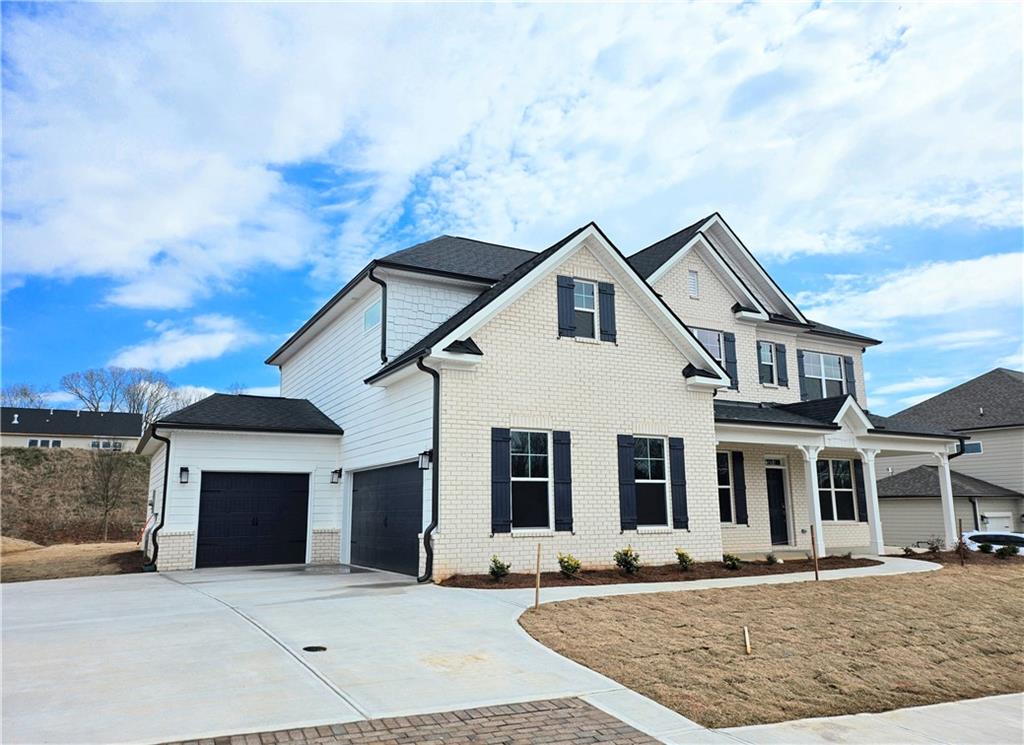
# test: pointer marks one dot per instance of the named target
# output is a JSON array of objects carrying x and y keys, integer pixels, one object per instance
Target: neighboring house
[
  {"x": 988, "y": 471},
  {"x": 63, "y": 428},
  {"x": 494, "y": 398}
]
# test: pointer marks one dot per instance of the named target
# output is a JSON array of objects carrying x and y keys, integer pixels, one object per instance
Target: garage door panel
[
  {"x": 387, "y": 515},
  {"x": 252, "y": 518}
]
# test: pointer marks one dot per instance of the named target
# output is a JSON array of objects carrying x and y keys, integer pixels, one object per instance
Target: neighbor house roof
[
  {"x": 995, "y": 399},
  {"x": 923, "y": 481},
  {"x": 223, "y": 411},
  {"x": 17, "y": 420}
]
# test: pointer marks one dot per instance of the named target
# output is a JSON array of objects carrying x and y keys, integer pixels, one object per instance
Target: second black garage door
[
  {"x": 252, "y": 518},
  {"x": 387, "y": 516}
]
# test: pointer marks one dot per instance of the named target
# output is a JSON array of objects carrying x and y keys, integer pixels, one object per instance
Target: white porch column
[
  {"x": 810, "y": 453},
  {"x": 946, "y": 492},
  {"x": 867, "y": 457}
]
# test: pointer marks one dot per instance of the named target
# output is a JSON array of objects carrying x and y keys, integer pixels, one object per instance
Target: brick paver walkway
[{"x": 565, "y": 721}]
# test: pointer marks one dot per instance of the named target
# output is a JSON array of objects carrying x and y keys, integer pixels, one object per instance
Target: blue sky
[{"x": 184, "y": 184}]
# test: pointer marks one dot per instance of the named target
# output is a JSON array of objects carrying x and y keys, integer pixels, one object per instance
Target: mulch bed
[
  {"x": 658, "y": 573},
  {"x": 976, "y": 558}
]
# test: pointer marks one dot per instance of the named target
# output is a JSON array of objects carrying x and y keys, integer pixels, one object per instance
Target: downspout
[
  {"x": 150, "y": 566},
  {"x": 428, "y": 569},
  {"x": 383, "y": 313}
]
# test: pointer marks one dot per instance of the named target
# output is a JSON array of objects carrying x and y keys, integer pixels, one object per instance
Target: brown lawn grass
[
  {"x": 819, "y": 649},
  {"x": 20, "y": 564}
]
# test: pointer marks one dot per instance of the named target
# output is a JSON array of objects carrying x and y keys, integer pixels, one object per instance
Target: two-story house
[
  {"x": 988, "y": 473},
  {"x": 459, "y": 399}
]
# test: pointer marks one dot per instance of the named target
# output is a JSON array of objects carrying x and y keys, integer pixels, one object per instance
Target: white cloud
[
  {"x": 148, "y": 143},
  {"x": 915, "y": 384},
  {"x": 59, "y": 399},
  {"x": 176, "y": 345},
  {"x": 1013, "y": 361},
  {"x": 263, "y": 390},
  {"x": 918, "y": 398},
  {"x": 951, "y": 340},
  {"x": 931, "y": 289}
]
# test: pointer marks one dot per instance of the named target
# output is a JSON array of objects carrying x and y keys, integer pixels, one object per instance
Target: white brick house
[{"x": 460, "y": 399}]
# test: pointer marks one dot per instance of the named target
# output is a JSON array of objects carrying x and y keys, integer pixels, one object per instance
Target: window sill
[
  {"x": 841, "y": 522},
  {"x": 769, "y": 385},
  {"x": 735, "y": 525},
  {"x": 653, "y": 528},
  {"x": 531, "y": 532},
  {"x": 587, "y": 340}
]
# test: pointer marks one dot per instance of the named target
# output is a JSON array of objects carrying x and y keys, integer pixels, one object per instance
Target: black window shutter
[
  {"x": 606, "y": 296},
  {"x": 563, "y": 480},
  {"x": 851, "y": 376},
  {"x": 501, "y": 482},
  {"x": 677, "y": 467},
  {"x": 801, "y": 374},
  {"x": 627, "y": 484},
  {"x": 739, "y": 487},
  {"x": 566, "y": 307},
  {"x": 729, "y": 342},
  {"x": 780, "y": 365},
  {"x": 862, "y": 497}
]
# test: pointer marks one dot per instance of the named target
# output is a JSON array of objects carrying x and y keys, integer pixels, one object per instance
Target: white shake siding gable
[{"x": 417, "y": 305}]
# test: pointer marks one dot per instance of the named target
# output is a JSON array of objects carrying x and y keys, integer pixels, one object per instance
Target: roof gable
[{"x": 995, "y": 399}]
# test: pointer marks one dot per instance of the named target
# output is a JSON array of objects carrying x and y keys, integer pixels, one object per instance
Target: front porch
[{"x": 787, "y": 469}]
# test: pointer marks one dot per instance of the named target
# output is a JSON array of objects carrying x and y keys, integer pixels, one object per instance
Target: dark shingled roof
[
  {"x": 647, "y": 260},
  {"x": 451, "y": 254},
  {"x": 70, "y": 423},
  {"x": 768, "y": 414},
  {"x": 252, "y": 413},
  {"x": 998, "y": 393},
  {"x": 424, "y": 345},
  {"x": 822, "y": 409},
  {"x": 923, "y": 481}
]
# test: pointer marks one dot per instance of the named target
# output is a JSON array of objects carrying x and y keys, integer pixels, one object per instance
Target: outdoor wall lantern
[
  {"x": 183, "y": 475},
  {"x": 336, "y": 476},
  {"x": 426, "y": 458}
]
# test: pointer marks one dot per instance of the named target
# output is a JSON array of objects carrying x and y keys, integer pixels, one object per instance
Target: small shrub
[
  {"x": 628, "y": 560},
  {"x": 934, "y": 546},
  {"x": 684, "y": 559},
  {"x": 909, "y": 551},
  {"x": 772, "y": 559},
  {"x": 731, "y": 561},
  {"x": 848, "y": 555},
  {"x": 985, "y": 548},
  {"x": 1005, "y": 552},
  {"x": 569, "y": 565},
  {"x": 498, "y": 568}
]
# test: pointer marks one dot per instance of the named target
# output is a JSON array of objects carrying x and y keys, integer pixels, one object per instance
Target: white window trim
[
  {"x": 831, "y": 489},
  {"x": 550, "y": 481},
  {"x": 721, "y": 343},
  {"x": 592, "y": 311},
  {"x": 375, "y": 305},
  {"x": 774, "y": 382},
  {"x": 821, "y": 366},
  {"x": 732, "y": 489},
  {"x": 653, "y": 527},
  {"x": 693, "y": 284}
]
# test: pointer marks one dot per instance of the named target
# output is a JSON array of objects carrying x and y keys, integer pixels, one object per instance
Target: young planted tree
[{"x": 106, "y": 483}]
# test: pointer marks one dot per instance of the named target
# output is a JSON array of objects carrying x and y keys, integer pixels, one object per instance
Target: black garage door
[
  {"x": 387, "y": 516},
  {"x": 252, "y": 518}
]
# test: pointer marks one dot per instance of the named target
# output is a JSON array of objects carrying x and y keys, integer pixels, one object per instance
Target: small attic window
[
  {"x": 371, "y": 316},
  {"x": 693, "y": 283}
]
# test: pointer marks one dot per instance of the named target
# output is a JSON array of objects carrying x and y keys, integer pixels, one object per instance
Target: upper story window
[
  {"x": 835, "y": 490},
  {"x": 766, "y": 364},
  {"x": 712, "y": 341},
  {"x": 371, "y": 316},
  {"x": 823, "y": 375},
  {"x": 531, "y": 480},
  {"x": 585, "y": 307},
  {"x": 972, "y": 448},
  {"x": 651, "y": 484},
  {"x": 693, "y": 283}
]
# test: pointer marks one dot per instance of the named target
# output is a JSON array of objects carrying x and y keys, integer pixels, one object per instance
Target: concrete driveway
[{"x": 156, "y": 657}]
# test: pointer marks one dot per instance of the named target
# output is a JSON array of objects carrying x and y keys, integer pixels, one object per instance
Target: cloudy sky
[{"x": 183, "y": 185}]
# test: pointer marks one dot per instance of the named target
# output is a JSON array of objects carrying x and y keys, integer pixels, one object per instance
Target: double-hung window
[
  {"x": 835, "y": 490},
  {"x": 726, "y": 495},
  {"x": 766, "y": 366},
  {"x": 651, "y": 484},
  {"x": 712, "y": 341},
  {"x": 585, "y": 307},
  {"x": 531, "y": 480},
  {"x": 823, "y": 374}
]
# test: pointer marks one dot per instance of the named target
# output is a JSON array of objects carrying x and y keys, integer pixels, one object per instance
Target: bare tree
[
  {"x": 99, "y": 389},
  {"x": 22, "y": 395},
  {"x": 236, "y": 388},
  {"x": 148, "y": 393},
  {"x": 104, "y": 486}
]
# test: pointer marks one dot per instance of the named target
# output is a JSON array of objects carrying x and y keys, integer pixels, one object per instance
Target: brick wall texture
[
  {"x": 326, "y": 548},
  {"x": 177, "y": 551}
]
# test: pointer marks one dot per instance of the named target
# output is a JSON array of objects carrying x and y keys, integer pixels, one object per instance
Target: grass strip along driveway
[{"x": 819, "y": 648}]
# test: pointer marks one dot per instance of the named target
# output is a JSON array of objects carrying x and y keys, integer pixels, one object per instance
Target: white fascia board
[
  {"x": 683, "y": 339},
  {"x": 853, "y": 408},
  {"x": 907, "y": 443},
  {"x": 767, "y": 435},
  {"x": 675, "y": 258},
  {"x": 717, "y": 219}
]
